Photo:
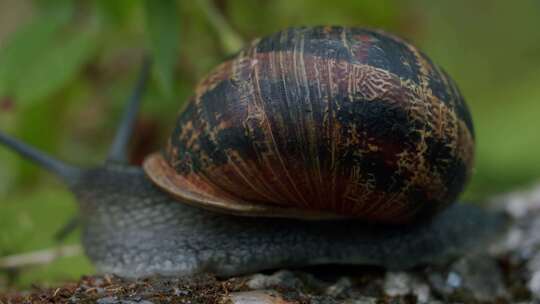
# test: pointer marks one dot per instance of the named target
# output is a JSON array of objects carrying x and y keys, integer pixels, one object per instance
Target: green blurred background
[{"x": 66, "y": 68}]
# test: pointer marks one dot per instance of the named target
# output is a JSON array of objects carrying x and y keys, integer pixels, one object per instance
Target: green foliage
[
  {"x": 28, "y": 221},
  {"x": 162, "y": 24},
  {"x": 231, "y": 41},
  {"x": 118, "y": 12},
  {"x": 57, "y": 65},
  {"x": 22, "y": 53},
  {"x": 68, "y": 66}
]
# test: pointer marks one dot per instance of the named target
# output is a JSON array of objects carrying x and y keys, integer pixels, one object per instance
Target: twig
[
  {"x": 40, "y": 257},
  {"x": 231, "y": 41}
]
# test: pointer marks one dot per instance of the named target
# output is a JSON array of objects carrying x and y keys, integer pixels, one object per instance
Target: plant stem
[
  {"x": 40, "y": 257},
  {"x": 230, "y": 40}
]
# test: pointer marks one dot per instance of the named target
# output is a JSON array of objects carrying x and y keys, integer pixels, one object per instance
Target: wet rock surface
[{"x": 507, "y": 272}]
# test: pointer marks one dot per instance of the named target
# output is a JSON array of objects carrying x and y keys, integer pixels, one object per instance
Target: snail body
[
  {"x": 134, "y": 229},
  {"x": 323, "y": 145}
]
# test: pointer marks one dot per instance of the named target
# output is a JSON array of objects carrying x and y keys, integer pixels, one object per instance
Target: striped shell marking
[{"x": 321, "y": 122}]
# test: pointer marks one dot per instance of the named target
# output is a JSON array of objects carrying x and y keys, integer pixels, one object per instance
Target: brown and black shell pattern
[{"x": 320, "y": 122}]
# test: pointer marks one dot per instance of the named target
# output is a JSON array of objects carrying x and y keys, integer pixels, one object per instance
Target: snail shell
[{"x": 321, "y": 122}]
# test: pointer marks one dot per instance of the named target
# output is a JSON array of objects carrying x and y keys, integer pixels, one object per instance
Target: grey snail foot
[{"x": 146, "y": 233}]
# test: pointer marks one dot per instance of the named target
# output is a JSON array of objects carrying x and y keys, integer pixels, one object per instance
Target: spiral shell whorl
[{"x": 343, "y": 120}]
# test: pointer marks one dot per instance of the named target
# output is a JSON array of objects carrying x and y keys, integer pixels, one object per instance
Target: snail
[{"x": 314, "y": 145}]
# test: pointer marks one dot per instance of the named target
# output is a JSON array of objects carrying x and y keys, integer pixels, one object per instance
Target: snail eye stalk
[
  {"x": 68, "y": 173},
  {"x": 118, "y": 152}
]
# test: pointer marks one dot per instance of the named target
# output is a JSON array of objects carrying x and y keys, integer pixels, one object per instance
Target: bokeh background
[{"x": 66, "y": 68}]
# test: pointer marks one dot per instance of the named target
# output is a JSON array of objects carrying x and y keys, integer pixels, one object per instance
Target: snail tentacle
[
  {"x": 118, "y": 151},
  {"x": 66, "y": 172}
]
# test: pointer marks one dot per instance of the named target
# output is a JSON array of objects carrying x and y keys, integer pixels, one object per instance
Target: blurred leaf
[
  {"x": 117, "y": 11},
  {"x": 57, "y": 65},
  {"x": 25, "y": 220},
  {"x": 28, "y": 222},
  {"x": 163, "y": 29},
  {"x": 231, "y": 41},
  {"x": 55, "y": 8},
  {"x": 279, "y": 14},
  {"x": 36, "y": 62},
  {"x": 23, "y": 49}
]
